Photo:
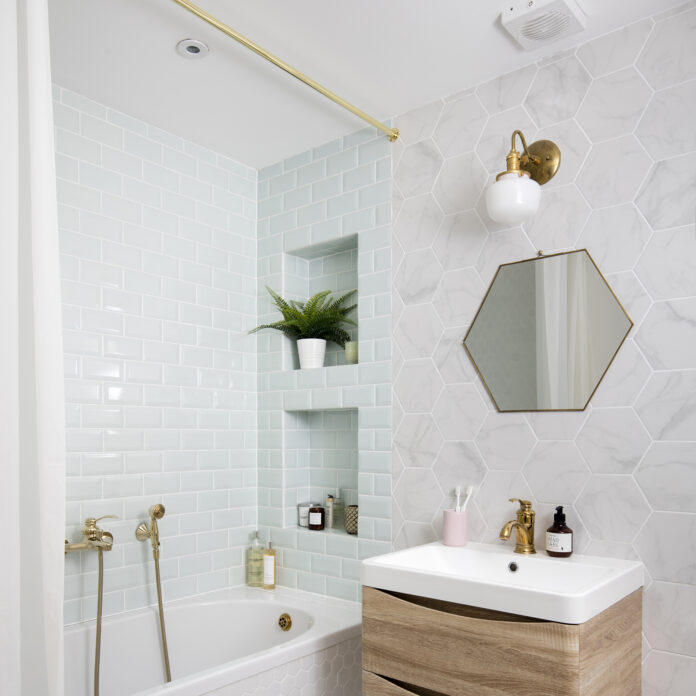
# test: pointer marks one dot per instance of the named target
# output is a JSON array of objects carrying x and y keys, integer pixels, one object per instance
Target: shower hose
[
  {"x": 165, "y": 650},
  {"x": 97, "y": 647},
  {"x": 100, "y": 594}
]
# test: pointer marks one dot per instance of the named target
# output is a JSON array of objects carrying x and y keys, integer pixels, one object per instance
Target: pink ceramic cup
[{"x": 454, "y": 528}]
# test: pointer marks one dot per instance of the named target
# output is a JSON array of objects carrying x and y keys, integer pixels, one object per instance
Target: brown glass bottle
[
  {"x": 559, "y": 537},
  {"x": 317, "y": 518}
]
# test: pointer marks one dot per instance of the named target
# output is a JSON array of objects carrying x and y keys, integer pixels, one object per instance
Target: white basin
[{"x": 567, "y": 590}]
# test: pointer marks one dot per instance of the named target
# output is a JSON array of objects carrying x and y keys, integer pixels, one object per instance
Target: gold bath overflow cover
[{"x": 285, "y": 622}]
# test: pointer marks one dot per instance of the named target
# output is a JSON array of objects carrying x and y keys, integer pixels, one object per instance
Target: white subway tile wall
[
  {"x": 620, "y": 108},
  {"x": 158, "y": 245},
  {"x": 325, "y": 223}
]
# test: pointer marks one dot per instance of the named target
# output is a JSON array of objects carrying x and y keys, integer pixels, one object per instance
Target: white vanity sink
[{"x": 567, "y": 590}]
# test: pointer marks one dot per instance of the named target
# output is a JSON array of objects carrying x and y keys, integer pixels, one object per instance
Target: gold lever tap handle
[
  {"x": 524, "y": 504},
  {"x": 90, "y": 529},
  {"x": 91, "y": 522}
]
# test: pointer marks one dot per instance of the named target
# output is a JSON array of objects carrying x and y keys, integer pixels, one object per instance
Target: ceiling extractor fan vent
[{"x": 535, "y": 23}]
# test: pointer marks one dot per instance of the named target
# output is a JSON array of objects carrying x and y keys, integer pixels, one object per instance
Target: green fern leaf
[{"x": 318, "y": 317}]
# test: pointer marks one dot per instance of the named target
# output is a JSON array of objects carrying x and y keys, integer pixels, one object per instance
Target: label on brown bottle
[{"x": 560, "y": 543}]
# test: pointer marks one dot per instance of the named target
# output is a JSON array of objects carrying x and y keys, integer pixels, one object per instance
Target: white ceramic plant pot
[{"x": 311, "y": 352}]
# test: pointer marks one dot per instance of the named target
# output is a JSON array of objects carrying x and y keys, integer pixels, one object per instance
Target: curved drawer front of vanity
[
  {"x": 374, "y": 685},
  {"x": 431, "y": 647}
]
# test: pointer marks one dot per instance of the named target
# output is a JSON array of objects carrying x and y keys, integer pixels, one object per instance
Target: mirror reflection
[{"x": 546, "y": 333}]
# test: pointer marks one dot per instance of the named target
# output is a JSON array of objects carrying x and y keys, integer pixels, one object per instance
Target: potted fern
[{"x": 313, "y": 323}]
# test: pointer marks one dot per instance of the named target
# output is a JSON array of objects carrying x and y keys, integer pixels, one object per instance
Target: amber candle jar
[{"x": 317, "y": 518}]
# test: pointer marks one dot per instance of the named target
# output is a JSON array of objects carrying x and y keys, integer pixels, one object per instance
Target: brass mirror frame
[{"x": 539, "y": 257}]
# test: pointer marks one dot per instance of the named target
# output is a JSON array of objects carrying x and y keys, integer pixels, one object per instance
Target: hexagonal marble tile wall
[{"x": 620, "y": 109}]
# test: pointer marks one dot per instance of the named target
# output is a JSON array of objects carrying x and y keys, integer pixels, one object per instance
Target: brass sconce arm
[
  {"x": 527, "y": 156},
  {"x": 540, "y": 161}
]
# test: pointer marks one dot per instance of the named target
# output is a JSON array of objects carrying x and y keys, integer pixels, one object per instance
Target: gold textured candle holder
[{"x": 351, "y": 519}]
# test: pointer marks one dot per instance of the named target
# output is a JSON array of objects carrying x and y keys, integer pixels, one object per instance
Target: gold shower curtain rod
[{"x": 393, "y": 133}]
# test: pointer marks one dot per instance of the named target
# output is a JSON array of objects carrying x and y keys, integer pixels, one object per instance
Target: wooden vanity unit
[{"x": 427, "y": 647}]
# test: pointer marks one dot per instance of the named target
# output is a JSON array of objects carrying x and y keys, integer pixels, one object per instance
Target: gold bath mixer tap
[
  {"x": 93, "y": 537},
  {"x": 524, "y": 526}
]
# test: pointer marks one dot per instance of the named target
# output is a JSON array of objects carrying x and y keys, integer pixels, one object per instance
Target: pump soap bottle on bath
[
  {"x": 255, "y": 563},
  {"x": 269, "y": 567}
]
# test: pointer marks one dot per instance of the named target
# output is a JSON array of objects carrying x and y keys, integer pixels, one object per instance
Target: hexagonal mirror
[{"x": 546, "y": 332}]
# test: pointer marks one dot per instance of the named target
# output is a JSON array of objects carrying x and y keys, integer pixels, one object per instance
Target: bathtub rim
[{"x": 335, "y": 621}]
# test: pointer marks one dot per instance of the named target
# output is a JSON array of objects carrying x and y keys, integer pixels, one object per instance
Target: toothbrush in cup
[
  {"x": 454, "y": 522},
  {"x": 467, "y": 498},
  {"x": 459, "y": 506}
]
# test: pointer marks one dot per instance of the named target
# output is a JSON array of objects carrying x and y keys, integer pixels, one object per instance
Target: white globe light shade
[{"x": 513, "y": 199}]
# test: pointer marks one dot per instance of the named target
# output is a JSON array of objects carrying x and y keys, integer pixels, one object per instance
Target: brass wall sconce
[{"x": 514, "y": 197}]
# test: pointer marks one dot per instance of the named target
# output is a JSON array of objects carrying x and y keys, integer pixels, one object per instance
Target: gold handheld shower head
[
  {"x": 151, "y": 531},
  {"x": 156, "y": 511}
]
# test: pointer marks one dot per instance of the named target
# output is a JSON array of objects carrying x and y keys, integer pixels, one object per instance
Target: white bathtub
[{"x": 227, "y": 643}]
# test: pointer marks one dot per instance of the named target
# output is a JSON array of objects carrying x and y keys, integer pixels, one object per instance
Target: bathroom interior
[{"x": 195, "y": 505}]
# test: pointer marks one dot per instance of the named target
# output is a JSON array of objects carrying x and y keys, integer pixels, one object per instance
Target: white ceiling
[{"x": 386, "y": 56}]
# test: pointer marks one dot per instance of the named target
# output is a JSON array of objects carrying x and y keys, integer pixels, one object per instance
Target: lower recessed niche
[{"x": 320, "y": 457}]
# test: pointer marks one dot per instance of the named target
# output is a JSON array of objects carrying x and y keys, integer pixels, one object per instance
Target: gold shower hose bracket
[{"x": 392, "y": 133}]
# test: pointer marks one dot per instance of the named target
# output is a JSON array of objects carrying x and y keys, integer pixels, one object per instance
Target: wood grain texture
[
  {"x": 611, "y": 650},
  {"x": 466, "y": 651}
]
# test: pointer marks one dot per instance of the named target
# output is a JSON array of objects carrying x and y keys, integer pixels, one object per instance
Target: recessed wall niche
[
  {"x": 320, "y": 458},
  {"x": 326, "y": 215},
  {"x": 331, "y": 266}
]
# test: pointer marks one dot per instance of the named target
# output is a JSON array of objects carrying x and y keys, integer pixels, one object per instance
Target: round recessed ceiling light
[{"x": 192, "y": 48}]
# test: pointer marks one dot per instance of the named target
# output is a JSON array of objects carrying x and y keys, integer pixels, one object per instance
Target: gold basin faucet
[{"x": 524, "y": 526}]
